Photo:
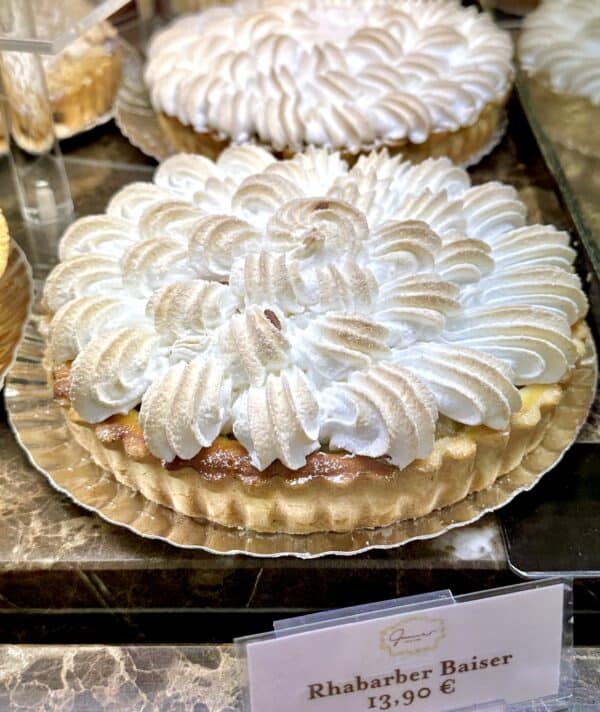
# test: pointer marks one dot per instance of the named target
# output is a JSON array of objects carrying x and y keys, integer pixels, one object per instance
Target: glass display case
[{"x": 90, "y": 595}]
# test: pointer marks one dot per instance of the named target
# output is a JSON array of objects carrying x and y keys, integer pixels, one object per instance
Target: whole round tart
[
  {"x": 427, "y": 78},
  {"x": 559, "y": 49},
  {"x": 298, "y": 346}
]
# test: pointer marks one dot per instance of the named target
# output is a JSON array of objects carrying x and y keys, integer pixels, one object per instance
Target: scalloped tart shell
[
  {"x": 460, "y": 145},
  {"x": 334, "y": 491}
]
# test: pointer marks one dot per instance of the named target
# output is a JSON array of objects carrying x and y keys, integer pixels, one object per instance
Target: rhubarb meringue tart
[
  {"x": 425, "y": 78},
  {"x": 297, "y": 346}
]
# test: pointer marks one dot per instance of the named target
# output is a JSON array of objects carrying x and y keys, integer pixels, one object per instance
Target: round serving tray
[
  {"x": 138, "y": 121},
  {"x": 39, "y": 426},
  {"x": 16, "y": 297}
]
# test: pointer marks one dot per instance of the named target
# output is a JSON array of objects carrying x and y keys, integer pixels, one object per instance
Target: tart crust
[
  {"x": 4, "y": 244},
  {"x": 334, "y": 491},
  {"x": 88, "y": 93},
  {"x": 461, "y": 146}
]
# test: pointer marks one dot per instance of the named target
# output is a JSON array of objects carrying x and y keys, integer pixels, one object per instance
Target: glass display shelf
[
  {"x": 68, "y": 576},
  {"x": 576, "y": 170},
  {"x": 29, "y": 28},
  {"x": 571, "y": 545},
  {"x": 55, "y": 24}
]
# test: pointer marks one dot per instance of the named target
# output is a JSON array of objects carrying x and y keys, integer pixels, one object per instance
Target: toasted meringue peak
[
  {"x": 535, "y": 342},
  {"x": 150, "y": 264},
  {"x": 186, "y": 408},
  {"x": 278, "y": 421},
  {"x": 316, "y": 230},
  {"x": 111, "y": 374},
  {"x": 216, "y": 241},
  {"x": 194, "y": 306},
  {"x": 303, "y": 304},
  {"x": 384, "y": 411},
  {"x": 252, "y": 344},
  {"x": 78, "y": 321},
  {"x": 82, "y": 276},
  {"x": 469, "y": 386},
  {"x": 132, "y": 200},
  {"x": 272, "y": 281},
  {"x": 338, "y": 75},
  {"x": 172, "y": 218},
  {"x": 98, "y": 235},
  {"x": 185, "y": 174}
]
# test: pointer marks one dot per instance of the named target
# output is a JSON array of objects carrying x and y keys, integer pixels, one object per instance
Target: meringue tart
[
  {"x": 558, "y": 50},
  {"x": 423, "y": 78},
  {"x": 298, "y": 346}
]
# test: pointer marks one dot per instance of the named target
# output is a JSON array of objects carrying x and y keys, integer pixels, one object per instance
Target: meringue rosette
[
  {"x": 427, "y": 78},
  {"x": 356, "y": 344}
]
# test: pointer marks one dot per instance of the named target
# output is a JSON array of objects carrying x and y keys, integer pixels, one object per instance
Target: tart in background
[
  {"x": 421, "y": 78},
  {"x": 559, "y": 50}
]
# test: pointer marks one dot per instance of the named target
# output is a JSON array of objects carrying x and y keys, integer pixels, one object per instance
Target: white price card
[{"x": 502, "y": 647}]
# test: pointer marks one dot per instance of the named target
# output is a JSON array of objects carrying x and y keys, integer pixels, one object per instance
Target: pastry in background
[
  {"x": 559, "y": 50},
  {"x": 82, "y": 82},
  {"x": 421, "y": 78},
  {"x": 4, "y": 244}
]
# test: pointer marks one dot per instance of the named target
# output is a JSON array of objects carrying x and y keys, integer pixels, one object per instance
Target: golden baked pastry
[
  {"x": 4, "y": 244},
  {"x": 297, "y": 346},
  {"x": 82, "y": 82},
  {"x": 421, "y": 78}
]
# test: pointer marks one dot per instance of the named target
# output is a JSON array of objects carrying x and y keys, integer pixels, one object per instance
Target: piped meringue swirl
[
  {"x": 331, "y": 73},
  {"x": 344, "y": 319},
  {"x": 186, "y": 408}
]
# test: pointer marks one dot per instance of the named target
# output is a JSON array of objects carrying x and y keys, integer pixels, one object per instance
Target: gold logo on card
[{"x": 416, "y": 634}]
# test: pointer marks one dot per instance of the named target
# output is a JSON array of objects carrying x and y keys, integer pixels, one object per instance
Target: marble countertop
[{"x": 165, "y": 678}]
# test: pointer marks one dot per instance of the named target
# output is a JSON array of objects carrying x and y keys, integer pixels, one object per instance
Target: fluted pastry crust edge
[
  {"x": 460, "y": 146},
  {"x": 468, "y": 462}
]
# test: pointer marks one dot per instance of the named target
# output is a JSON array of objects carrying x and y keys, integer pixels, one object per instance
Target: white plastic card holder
[
  {"x": 496, "y": 706},
  {"x": 508, "y": 649}
]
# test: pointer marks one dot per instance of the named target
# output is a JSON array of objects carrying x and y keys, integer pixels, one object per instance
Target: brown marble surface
[
  {"x": 113, "y": 679},
  {"x": 165, "y": 678}
]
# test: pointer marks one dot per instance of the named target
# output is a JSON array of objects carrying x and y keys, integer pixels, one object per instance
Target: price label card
[{"x": 502, "y": 647}]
